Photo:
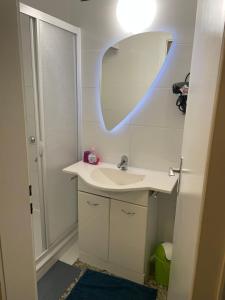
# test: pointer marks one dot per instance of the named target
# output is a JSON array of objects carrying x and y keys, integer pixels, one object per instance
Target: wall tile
[
  {"x": 91, "y": 60},
  {"x": 109, "y": 146},
  {"x": 177, "y": 66},
  {"x": 90, "y": 105},
  {"x": 177, "y": 17},
  {"x": 160, "y": 111},
  {"x": 94, "y": 42},
  {"x": 154, "y": 147},
  {"x": 57, "y": 8},
  {"x": 172, "y": 146}
]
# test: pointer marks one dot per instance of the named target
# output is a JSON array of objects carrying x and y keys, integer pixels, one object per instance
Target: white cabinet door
[
  {"x": 93, "y": 214},
  {"x": 127, "y": 235}
]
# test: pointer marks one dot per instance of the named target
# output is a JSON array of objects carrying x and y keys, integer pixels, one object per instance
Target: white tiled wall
[{"x": 153, "y": 137}]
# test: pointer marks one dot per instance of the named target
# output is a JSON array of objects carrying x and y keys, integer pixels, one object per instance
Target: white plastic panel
[{"x": 57, "y": 71}]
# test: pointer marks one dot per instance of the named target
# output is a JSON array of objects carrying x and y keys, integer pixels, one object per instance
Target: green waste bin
[{"x": 162, "y": 264}]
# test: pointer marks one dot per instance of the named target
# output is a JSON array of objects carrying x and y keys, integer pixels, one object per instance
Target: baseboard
[{"x": 49, "y": 258}]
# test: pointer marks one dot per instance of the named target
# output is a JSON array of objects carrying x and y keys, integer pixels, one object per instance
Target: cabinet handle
[
  {"x": 128, "y": 213},
  {"x": 92, "y": 204}
]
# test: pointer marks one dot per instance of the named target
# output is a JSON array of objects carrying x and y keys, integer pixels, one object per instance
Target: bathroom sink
[{"x": 109, "y": 175}]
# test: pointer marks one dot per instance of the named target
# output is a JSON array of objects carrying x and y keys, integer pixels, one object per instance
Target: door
[
  {"x": 128, "y": 225},
  {"x": 93, "y": 224},
  {"x": 196, "y": 142},
  {"x": 51, "y": 75},
  {"x": 57, "y": 59}
]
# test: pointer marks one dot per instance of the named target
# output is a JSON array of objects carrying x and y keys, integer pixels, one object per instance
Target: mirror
[{"x": 128, "y": 70}]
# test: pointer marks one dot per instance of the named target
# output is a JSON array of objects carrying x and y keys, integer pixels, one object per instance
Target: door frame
[
  {"x": 38, "y": 16},
  {"x": 15, "y": 219},
  {"x": 2, "y": 277}
]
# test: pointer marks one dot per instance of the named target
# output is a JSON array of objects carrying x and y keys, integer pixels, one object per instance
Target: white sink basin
[
  {"x": 108, "y": 177},
  {"x": 112, "y": 176}
]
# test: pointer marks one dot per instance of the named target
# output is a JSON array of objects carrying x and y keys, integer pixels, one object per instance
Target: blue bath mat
[{"x": 99, "y": 286}]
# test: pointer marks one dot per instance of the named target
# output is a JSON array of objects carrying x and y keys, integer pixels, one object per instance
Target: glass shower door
[
  {"x": 50, "y": 86},
  {"x": 58, "y": 99}
]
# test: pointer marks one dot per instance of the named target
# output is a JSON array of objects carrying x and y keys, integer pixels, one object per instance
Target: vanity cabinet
[{"x": 117, "y": 231}]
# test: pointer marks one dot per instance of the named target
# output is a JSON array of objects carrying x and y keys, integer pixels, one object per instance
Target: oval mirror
[{"x": 128, "y": 70}]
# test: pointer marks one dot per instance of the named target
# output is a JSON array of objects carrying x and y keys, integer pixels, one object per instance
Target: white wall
[{"x": 152, "y": 138}]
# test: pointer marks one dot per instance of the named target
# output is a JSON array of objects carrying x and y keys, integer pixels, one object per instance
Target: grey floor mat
[{"x": 54, "y": 283}]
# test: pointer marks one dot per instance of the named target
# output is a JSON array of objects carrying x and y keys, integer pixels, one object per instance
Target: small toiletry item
[
  {"x": 93, "y": 159},
  {"x": 90, "y": 156},
  {"x": 85, "y": 156}
]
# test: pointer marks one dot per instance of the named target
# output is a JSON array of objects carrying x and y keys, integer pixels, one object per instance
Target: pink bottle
[
  {"x": 85, "y": 156},
  {"x": 91, "y": 157}
]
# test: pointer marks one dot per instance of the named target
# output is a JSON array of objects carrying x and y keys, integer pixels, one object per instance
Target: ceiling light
[{"x": 136, "y": 15}]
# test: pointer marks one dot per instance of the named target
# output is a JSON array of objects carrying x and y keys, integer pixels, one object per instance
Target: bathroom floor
[
  {"x": 59, "y": 278},
  {"x": 162, "y": 292}
]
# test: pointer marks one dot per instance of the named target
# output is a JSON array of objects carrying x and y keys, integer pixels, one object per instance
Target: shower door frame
[{"x": 36, "y": 17}]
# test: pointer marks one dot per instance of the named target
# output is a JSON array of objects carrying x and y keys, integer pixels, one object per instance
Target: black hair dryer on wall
[{"x": 182, "y": 88}]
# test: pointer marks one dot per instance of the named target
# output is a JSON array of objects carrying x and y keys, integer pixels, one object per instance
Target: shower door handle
[{"x": 32, "y": 139}]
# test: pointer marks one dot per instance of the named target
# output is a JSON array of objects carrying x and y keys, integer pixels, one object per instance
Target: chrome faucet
[{"x": 123, "y": 165}]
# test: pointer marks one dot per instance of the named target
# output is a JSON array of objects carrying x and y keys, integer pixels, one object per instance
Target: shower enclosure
[{"x": 51, "y": 67}]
